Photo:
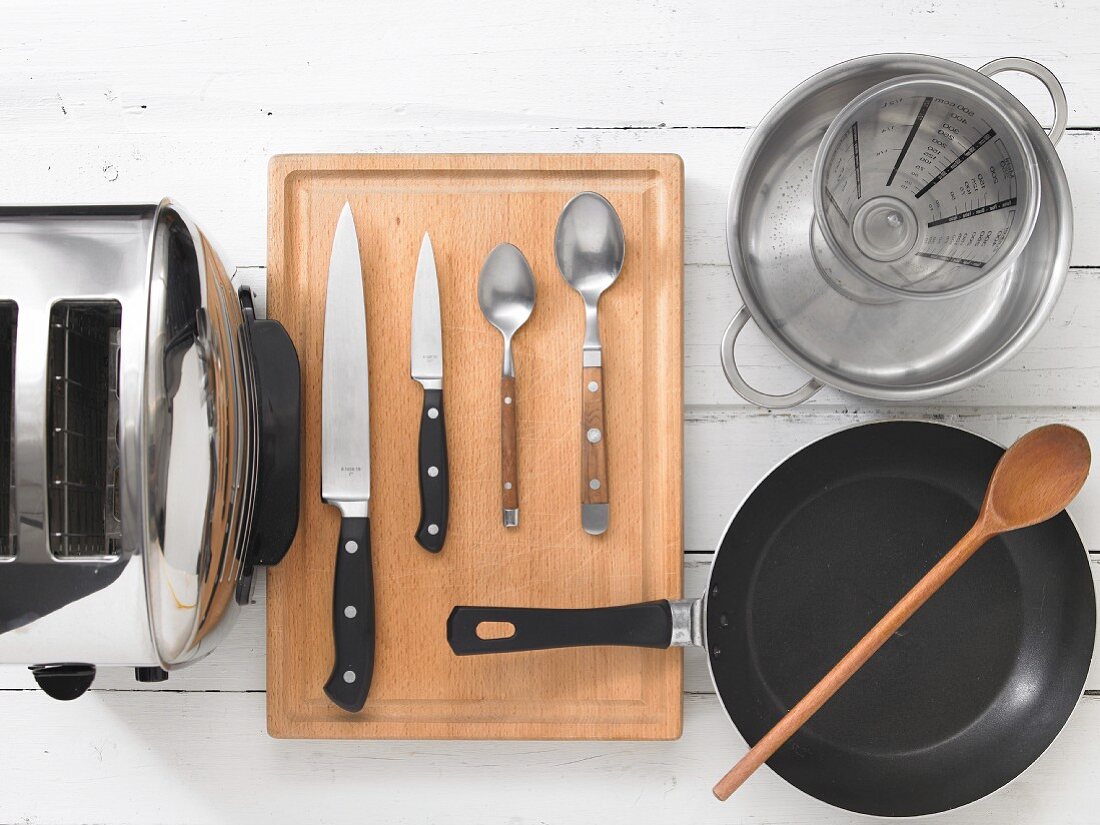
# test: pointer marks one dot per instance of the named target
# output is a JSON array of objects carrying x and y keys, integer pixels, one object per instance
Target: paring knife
[
  {"x": 345, "y": 467},
  {"x": 427, "y": 368}
]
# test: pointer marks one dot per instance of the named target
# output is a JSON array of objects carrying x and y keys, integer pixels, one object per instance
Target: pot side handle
[
  {"x": 532, "y": 628},
  {"x": 733, "y": 375},
  {"x": 1044, "y": 76}
]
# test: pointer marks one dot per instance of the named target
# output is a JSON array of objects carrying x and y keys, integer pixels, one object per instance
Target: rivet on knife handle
[
  {"x": 509, "y": 462},
  {"x": 352, "y": 617},
  {"x": 434, "y": 497},
  {"x": 594, "y": 493}
]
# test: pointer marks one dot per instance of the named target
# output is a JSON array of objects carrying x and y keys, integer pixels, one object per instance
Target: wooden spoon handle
[
  {"x": 593, "y": 439},
  {"x": 797, "y": 716},
  {"x": 509, "y": 460}
]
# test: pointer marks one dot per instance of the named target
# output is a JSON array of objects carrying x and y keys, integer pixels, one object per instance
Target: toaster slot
[
  {"x": 8, "y": 315},
  {"x": 82, "y": 417}
]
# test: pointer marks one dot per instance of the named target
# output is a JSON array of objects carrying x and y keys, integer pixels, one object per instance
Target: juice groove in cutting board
[{"x": 470, "y": 203}]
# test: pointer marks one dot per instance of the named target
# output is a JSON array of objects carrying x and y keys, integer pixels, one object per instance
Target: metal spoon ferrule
[{"x": 593, "y": 348}]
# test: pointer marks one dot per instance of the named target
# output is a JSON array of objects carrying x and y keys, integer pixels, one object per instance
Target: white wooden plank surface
[
  {"x": 203, "y": 757},
  {"x": 124, "y": 101},
  {"x": 422, "y": 63}
]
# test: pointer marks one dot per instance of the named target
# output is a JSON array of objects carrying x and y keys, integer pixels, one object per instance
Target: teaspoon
[{"x": 506, "y": 293}]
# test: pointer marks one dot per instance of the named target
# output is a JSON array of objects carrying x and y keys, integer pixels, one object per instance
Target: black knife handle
[
  {"x": 535, "y": 628},
  {"x": 352, "y": 617},
  {"x": 434, "y": 495}
]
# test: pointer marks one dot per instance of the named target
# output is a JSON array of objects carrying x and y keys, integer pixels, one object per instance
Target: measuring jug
[
  {"x": 924, "y": 187},
  {"x": 848, "y": 308}
]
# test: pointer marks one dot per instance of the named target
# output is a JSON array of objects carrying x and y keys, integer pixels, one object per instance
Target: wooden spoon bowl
[{"x": 1036, "y": 478}]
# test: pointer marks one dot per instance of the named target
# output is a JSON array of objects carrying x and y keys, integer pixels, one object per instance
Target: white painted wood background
[{"x": 109, "y": 102}]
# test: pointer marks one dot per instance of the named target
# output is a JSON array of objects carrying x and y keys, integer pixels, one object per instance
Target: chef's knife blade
[
  {"x": 427, "y": 368},
  {"x": 345, "y": 467}
]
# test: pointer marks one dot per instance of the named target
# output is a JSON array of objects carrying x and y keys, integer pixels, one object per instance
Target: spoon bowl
[
  {"x": 1037, "y": 477},
  {"x": 589, "y": 244},
  {"x": 506, "y": 289}
]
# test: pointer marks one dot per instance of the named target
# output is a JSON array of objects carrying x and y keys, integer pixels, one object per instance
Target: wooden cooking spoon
[{"x": 1034, "y": 481}]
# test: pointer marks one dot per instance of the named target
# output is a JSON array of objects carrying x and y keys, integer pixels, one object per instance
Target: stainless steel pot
[
  {"x": 831, "y": 325},
  {"x": 141, "y": 411}
]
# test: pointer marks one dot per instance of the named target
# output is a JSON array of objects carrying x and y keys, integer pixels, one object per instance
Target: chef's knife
[
  {"x": 427, "y": 368},
  {"x": 345, "y": 467}
]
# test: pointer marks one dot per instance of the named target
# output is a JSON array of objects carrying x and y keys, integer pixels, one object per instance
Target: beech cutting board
[{"x": 470, "y": 203}]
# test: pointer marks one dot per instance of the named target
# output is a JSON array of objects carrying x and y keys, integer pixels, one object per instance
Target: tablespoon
[
  {"x": 1035, "y": 480},
  {"x": 506, "y": 293},
  {"x": 590, "y": 247}
]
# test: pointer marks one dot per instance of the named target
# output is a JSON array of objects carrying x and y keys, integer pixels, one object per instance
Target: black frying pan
[{"x": 964, "y": 697}]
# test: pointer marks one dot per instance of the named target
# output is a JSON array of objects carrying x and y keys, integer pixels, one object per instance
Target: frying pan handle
[
  {"x": 1044, "y": 76},
  {"x": 532, "y": 628},
  {"x": 733, "y": 375}
]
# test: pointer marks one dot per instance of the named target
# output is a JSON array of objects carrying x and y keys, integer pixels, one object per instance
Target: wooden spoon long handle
[
  {"x": 796, "y": 717},
  {"x": 509, "y": 460},
  {"x": 593, "y": 439}
]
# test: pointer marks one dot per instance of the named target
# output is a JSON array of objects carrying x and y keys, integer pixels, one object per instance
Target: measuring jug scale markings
[
  {"x": 921, "y": 191},
  {"x": 972, "y": 193}
]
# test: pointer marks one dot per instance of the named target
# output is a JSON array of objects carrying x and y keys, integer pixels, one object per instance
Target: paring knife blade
[
  {"x": 427, "y": 367},
  {"x": 345, "y": 467}
]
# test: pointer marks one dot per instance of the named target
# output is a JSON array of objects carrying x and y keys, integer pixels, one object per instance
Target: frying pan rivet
[{"x": 349, "y": 676}]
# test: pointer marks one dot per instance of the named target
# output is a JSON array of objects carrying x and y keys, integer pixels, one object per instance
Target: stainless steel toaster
[{"x": 149, "y": 427}]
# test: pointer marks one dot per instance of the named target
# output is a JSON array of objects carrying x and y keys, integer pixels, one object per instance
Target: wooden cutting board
[{"x": 470, "y": 203}]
